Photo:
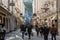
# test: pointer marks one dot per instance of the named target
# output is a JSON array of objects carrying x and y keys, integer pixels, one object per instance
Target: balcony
[{"x": 2, "y": 5}]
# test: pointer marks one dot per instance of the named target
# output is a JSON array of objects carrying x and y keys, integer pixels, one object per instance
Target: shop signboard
[{"x": 12, "y": 4}]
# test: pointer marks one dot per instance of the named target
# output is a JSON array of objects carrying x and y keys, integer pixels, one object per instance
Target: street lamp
[{"x": 12, "y": 4}]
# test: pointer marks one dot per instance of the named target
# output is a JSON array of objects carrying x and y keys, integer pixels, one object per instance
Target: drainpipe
[
  {"x": 8, "y": 5},
  {"x": 12, "y": 7}
]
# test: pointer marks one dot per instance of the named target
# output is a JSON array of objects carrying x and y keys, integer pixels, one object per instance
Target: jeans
[
  {"x": 53, "y": 36},
  {"x": 37, "y": 33},
  {"x": 29, "y": 35},
  {"x": 45, "y": 37},
  {"x": 23, "y": 34}
]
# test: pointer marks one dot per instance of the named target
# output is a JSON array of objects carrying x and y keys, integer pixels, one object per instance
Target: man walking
[
  {"x": 53, "y": 32},
  {"x": 37, "y": 30},
  {"x": 45, "y": 32},
  {"x": 23, "y": 30},
  {"x": 29, "y": 29}
]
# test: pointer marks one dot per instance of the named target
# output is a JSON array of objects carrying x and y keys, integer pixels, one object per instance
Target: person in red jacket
[{"x": 53, "y": 32}]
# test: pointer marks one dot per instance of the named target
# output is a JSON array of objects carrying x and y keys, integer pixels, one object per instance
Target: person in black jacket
[
  {"x": 2, "y": 32},
  {"x": 45, "y": 32},
  {"x": 37, "y": 30},
  {"x": 41, "y": 30},
  {"x": 23, "y": 30},
  {"x": 29, "y": 29}
]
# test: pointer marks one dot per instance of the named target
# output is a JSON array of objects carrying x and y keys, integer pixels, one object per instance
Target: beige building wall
[
  {"x": 4, "y": 4},
  {"x": 58, "y": 8},
  {"x": 38, "y": 4},
  {"x": 38, "y": 8},
  {"x": 19, "y": 6},
  {"x": 16, "y": 12}
]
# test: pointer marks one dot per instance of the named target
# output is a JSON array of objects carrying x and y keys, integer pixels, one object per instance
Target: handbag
[{"x": 26, "y": 33}]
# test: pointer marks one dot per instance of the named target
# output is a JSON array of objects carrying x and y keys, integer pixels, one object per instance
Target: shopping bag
[{"x": 26, "y": 33}]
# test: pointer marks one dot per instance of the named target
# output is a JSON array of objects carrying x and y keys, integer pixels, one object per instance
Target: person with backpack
[{"x": 53, "y": 32}]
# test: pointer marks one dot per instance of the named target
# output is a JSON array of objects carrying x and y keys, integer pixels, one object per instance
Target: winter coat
[
  {"x": 23, "y": 28},
  {"x": 53, "y": 30},
  {"x": 41, "y": 29},
  {"x": 37, "y": 28},
  {"x": 29, "y": 29},
  {"x": 45, "y": 30}
]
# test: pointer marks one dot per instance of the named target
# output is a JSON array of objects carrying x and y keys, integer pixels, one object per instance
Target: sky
[
  {"x": 27, "y": 0},
  {"x": 28, "y": 10}
]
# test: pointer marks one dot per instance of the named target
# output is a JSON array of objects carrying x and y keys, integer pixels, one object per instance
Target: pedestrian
[
  {"x": 29, "y": 30},
  {"x": 41, "y": 30},
  {"x": 53, "y": 32},
  {"x": 3, "y": 32},
  {"x": 45, "y": 32},
  {"x": 23, "y": 30},
  {"x": 0, "y": 32},
  {"x": 37, "y": 30}
]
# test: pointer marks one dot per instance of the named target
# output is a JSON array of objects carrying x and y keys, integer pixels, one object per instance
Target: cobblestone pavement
[{"x": 16, "y": 35}]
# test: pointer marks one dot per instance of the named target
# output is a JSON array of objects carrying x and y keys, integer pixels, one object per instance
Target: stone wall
[{"x": 58, "y": 8}]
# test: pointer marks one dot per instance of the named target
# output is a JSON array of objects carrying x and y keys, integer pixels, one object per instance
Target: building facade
[
  {"x": 58, "y": 12},
  {"x": 44, "y": 9},
  {"x": 10, "y": 14}
]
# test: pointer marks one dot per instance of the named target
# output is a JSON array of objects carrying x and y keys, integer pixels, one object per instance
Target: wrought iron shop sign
[{"x": 12, "y": 4}]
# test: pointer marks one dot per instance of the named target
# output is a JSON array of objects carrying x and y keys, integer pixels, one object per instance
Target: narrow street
[
  {"x": 16, "y": 35},
  {"x": 42, "y": 15}
]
